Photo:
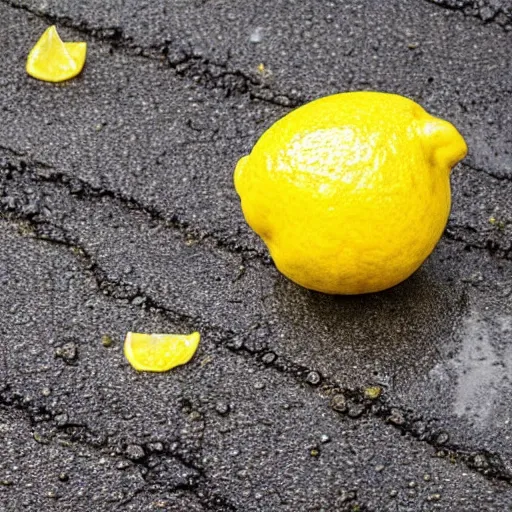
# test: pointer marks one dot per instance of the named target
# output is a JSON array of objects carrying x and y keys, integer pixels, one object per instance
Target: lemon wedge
[
  {"x": 159, "y": 352},
  {"x": 52, "y": 60}
]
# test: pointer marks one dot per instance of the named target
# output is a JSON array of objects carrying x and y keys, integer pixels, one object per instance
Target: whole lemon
[{"x": 351, "y": 192}]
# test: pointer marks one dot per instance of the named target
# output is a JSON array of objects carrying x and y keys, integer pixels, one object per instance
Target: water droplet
[{"x": 256, "y": 35}]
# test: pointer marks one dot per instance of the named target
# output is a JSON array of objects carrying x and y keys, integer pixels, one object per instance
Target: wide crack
[
  {"x": 39, "y": 173},
  {"x": 47, "y": 429}
]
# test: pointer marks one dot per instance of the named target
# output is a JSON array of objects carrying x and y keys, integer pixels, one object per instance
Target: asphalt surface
[{"x": 118, "y": 213}]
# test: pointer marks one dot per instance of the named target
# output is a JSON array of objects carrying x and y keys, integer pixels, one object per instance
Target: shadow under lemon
[{"x": 388, "y": 337}]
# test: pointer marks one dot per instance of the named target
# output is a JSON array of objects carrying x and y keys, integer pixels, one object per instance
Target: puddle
[{"x": 481, "y": 370}]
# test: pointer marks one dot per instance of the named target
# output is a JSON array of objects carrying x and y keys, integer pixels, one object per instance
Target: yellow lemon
[
  {"x": 159, "y": 352},
  {"x": 52, "y": 60},
  {"x": 351, "y": 192}
]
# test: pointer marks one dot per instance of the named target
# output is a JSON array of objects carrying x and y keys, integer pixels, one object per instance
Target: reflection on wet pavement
[
  {"x": 477, "y": 377},
  {"x": 482, "y": 372}
]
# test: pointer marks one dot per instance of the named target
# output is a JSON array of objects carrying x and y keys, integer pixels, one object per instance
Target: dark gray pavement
[{"x": 117, "y": 213}]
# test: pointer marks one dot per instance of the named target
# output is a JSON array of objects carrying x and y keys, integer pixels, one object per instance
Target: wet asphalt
[{"x": 118, "y": 213}]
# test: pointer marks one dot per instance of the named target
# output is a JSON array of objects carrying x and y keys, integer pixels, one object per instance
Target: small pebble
[
  {"x": 480, "y": 461},
  {"x": 269, "y": 358},
  {"x": 67, "y": 352},
  {"x": 63, "y": 477},
  {"x": 396, "y": 417},
  {"x": 347, "y": 496},
  {"x": 339, "y": 403},
  {"x": 134, "y": 452},
  {"x": 324, "y": 438},
  {"x": 355, "y": 410},
  {"x": 313, "y": 378},
  {"x": 156, "y": 447},
  {"x": 259, "y": 385},
  {"x": 195, "y": 416},
  {"x": 61, "y": 419},
  {"x": 379, "y": 468},
  {"x": 236, "y": 343},
  {"x": 46, "y": 392},
  {"x": 138, "y": 301},
  {"x": 39, "y": 438},
  {"x": 487, "y": 13},
  {"x": 442, "y": 438},
  {"x": 222, "y": 408}
]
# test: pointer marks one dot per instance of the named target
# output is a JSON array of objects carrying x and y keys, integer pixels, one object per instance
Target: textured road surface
[{"x": 117, "y": 213}]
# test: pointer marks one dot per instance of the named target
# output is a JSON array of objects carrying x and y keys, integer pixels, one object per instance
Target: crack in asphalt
[
  {"x": 185, "y": 62},
  {"x": 459, "y": 234},
  {"x": 352, "y": 403},
  {"x": 113, "y": 34},
  {"x": 493, "y": 174},
  {"x": 41, "y": 172},
  {"x": 217, "y": 75},
  {"x": 487, "y": 11},
  {"x": 197, "y": 483}
]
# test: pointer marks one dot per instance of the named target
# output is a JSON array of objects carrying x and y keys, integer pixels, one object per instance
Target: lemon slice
[
  {"x": 159, "y": 352},
  {"x": 52, "y": 60}
]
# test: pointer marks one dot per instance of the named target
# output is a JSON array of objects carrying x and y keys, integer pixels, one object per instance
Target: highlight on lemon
[
  {"x": 350, "y": 192},
  {"x": 159, "y": 352},
  {"x": 52, "y": 60}
]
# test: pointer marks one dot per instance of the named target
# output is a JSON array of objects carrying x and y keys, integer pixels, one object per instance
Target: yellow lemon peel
[
  {"x": 52, "y": 60},
  {"x": 350, "y": 192},
  {"x": 159, "y": 352}
]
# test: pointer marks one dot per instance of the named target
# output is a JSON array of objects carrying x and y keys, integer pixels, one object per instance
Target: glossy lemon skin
[
  {"x": 159, "y": 352},
  {"x": 351, "y": 192},
  {"x": 52, "y": 60}
]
